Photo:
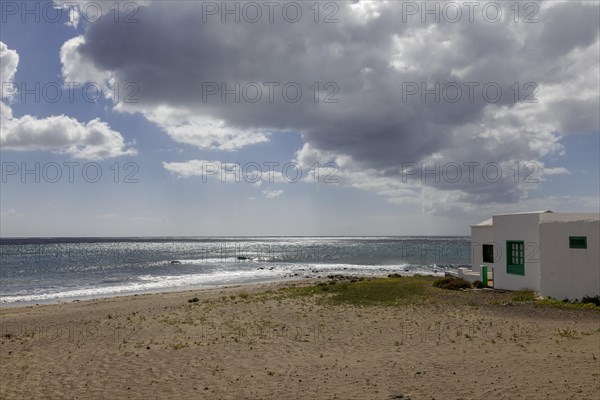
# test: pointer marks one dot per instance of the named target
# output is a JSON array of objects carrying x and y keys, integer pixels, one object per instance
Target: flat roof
[
  {"x": 487, "y": 222},
  {"x": 569, "y": 217},
  {"x": 530, "y": 212},
  {"x": 547, "y": 216}
]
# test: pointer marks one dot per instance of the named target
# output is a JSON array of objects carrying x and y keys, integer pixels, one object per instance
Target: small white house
[{"x": 555, "y": 254}]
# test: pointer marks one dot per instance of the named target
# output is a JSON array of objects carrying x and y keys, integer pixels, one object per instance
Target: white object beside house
[{"x": 555, "y": 254}]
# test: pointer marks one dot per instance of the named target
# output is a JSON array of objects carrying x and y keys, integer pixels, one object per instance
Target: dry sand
[{"x": 265, "y": 346}]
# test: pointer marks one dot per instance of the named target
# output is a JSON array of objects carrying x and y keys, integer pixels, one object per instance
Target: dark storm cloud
[{"x": 172, "y": 54}]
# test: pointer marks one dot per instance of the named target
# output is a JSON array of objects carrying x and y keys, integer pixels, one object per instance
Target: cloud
[
  {"x": 367, "y": 61},
  {"x": 227, "y": 172},
  {"x": 250, "y": 173},
  {"x": 556, "y": 171},
  {"x": 271, "y": 194},
  {"x": 61, "y": 134},
  {"x": 93, "y": 140},
  {"x": 9, "y": 60},
  {"x": 204, "y": 132},
  {"x": 76, "y": 68}
]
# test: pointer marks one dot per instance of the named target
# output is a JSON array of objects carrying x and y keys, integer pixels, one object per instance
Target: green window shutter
[{"x": 515, "y": 257}]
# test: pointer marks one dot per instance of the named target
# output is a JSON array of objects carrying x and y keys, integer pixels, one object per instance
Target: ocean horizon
[{"x": 49, "y": 270}]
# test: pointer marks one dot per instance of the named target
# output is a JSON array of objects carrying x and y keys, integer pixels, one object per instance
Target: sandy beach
[{"x": 260, "y": 342}]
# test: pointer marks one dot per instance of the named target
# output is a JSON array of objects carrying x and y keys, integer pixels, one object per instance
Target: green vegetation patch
[
  {"x": 523, "y": 296},
  {"x": 383, "y": 291},
  {"x": 526, "y": 296},
  {"x": 452, "y": 283},
  {"x": 403, "y": 290},
  {"x": 591, "y": 300},
  {"x": 567, "y": 303}
]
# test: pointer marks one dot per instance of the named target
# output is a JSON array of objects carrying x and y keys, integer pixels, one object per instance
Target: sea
[{"x": 50, "y": 270}]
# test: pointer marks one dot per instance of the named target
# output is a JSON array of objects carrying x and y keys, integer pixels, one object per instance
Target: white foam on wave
[
  {"x": 203, "y": 260},
  {"x": 150, "y": 283}
]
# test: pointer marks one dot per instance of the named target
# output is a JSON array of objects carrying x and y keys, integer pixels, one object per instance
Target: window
[
  {"x": 488, "y": 253},
  {"x": 515, "y": 257},
  {"x": 578, "y": 242}
]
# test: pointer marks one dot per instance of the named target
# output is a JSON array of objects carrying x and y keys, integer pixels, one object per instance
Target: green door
[{"x": 515, "y": 257}]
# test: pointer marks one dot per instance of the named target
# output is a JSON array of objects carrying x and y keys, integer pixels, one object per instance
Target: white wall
[
  {"x": 523, "y": 227},
  {"x": 569, "y": 273}
]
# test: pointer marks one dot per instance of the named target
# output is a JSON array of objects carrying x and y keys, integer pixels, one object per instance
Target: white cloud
[
  {"x": 61, "y": 134},
  {"x": 251, "y": 173},
  {"x": 271, "y": 194},
  {"x": 93, "y": 140},
  {"x": 5, "y": 113},
  {"x": 232, "y": 173},
  {"x": 76, "y": 68},
  {"x": 308, "y": 156},
  {"x": 9, "y": 60},
  {"x": 227, "y": 172},
  {"x": 556, "y": 171},
  {"x": 366, "y": 11},
  {"x": 202, "y": 131}
]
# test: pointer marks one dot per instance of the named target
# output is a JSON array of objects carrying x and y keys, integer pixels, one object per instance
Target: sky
[{"x": 201, "y": 118}]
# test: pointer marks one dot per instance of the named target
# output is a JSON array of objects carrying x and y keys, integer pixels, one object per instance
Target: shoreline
[
  {"x": 159, "y": 292},
  {"x": 174, "y": 289}
]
